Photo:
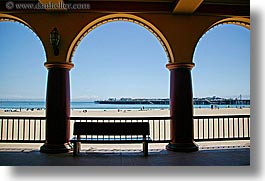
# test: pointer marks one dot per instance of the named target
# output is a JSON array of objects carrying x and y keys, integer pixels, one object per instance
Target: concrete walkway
[{"x": 210, "y": 154}]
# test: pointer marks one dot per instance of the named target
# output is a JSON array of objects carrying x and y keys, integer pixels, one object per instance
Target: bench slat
[
  {"x": 111, "y": 140},
  {"x": 84, "y": 128}
]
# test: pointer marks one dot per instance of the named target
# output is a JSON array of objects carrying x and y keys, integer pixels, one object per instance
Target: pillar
[
  {"x": 181, "y": 108},
  {"x": 57, "y": 108}
]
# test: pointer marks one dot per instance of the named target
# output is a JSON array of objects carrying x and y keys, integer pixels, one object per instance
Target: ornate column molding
[
  {"x": 172, "y": 66},
  {"x": 59, "y": 65}
]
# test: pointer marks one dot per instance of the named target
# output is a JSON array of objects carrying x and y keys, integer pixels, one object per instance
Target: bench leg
[
  {"x": 78, "y": 147},
  {"x": 75, "y": 149},
  {"x": 145, "y": 148}
]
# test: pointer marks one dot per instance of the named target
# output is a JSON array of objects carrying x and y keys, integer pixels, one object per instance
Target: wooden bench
[{"x": 91, "y": 132}]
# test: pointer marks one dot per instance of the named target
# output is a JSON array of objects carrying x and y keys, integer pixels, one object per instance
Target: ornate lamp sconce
[{"x": 55, "y": 41}]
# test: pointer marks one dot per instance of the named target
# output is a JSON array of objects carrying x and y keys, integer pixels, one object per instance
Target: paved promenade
[{"x": 210, "y": 154}]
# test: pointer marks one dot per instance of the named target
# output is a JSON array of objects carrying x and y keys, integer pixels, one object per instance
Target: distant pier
[
  {"x": 134, "y": 101},
  {"x": 196, "y": 101}
]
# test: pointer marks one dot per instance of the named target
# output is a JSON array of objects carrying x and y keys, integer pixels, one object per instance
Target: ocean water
[
  {"x": 77, "y": 105},
  {"x": 95, "y": 106}
]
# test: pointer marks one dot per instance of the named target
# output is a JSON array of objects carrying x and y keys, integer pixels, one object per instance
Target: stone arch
[
  {"x": 11, "y": 18},
  {"x": 120, "y": 17}
]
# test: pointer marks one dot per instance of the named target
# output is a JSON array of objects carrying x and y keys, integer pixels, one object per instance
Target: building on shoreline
[{"x": 196, "y": 101}]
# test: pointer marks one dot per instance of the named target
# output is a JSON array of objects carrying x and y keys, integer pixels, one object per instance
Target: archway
[
  {"x": 222, "y": 58},
  {"x": 22, "y": 72},
  {"x": 120, "y": 17},
  {"x": 119, "y": 59}
]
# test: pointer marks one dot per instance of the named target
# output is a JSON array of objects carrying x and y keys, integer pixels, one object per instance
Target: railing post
[
  {"x": 57, "y": 109},
  {"x": 181, "y": 108}
]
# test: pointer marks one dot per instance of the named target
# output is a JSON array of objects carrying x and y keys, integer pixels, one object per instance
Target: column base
[
  {"x": 182, "y": 147},
  {"x": 55, "y": 148}
]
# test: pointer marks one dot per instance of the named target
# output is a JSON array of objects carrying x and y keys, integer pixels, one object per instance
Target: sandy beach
[{"x": 131, "y": 113}]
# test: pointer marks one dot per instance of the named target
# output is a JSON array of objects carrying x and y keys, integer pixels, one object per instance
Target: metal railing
[
  {"x": 22, "y": 129},
  {"x": 206, "y": 128},
  {"x": 220, "y": 128}
]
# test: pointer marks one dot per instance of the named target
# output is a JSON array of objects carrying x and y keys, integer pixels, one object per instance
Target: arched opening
[
  {"x": 22, "y": 74},
  {"x": 119, "y": 60},
  {"x": 222, "y": 59},
  {"x": 121, "y": 17}
]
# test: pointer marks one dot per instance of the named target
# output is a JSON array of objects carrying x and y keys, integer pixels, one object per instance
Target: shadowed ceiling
[{"x": 195, "y": 7}]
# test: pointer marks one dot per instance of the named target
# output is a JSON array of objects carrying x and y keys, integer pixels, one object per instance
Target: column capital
[
  {"x": 59, "y": 65},
  {"x": 172, "y": 66}
]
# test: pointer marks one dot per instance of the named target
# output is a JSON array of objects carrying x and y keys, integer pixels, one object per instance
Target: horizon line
[{"x": 92, "y": 100}]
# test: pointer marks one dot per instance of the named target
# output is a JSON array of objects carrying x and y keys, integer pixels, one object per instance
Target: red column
[
  {"x": 181, "y": 108},
  {"x": 57, "y": 109}
]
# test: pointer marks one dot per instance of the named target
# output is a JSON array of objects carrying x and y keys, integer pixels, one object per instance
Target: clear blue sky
[{"x": 122, "y": 59}]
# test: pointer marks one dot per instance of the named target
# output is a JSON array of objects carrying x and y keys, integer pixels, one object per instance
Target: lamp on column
[{"x": 55, "y": 41}]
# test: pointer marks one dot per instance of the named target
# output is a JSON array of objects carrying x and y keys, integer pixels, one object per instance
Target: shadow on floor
[{"x": 157, "y": 157}]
